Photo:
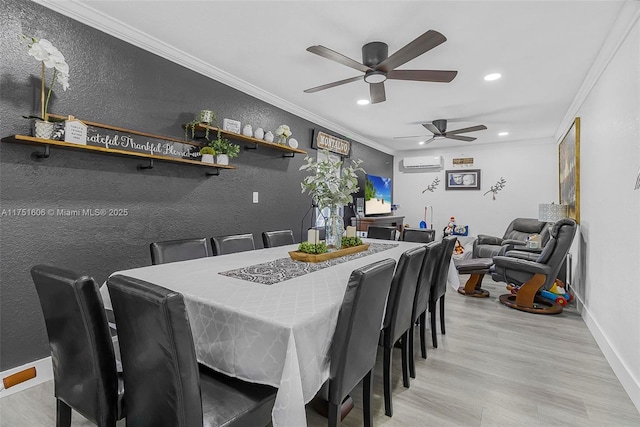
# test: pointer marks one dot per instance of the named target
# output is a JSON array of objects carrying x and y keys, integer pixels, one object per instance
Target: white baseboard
[
  {"x": 629, "y": 383},
  {"x": 44, "y": 373}
]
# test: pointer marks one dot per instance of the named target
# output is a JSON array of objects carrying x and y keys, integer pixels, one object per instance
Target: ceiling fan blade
[
  {"x": 338, "y": 57},
  {"x": 413, "y": 136},
  {"x": 422, "y": 44},
  {"x": 429, "y": 141},
  {"x": 334, "y": 84},
  {"x": 376, "y": 91},
  {"x": 431, "y": 128},
  {"x": 460, "y": 137},
  {"x": 469, "y": 129},
  {"x": 437, "y": 76}
]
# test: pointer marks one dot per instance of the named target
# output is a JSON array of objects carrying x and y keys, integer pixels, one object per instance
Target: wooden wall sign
[
  {"x": 463, "y": 161},
  {"x": 112, "y": 137},
  {"x": 324, "y": 141}
]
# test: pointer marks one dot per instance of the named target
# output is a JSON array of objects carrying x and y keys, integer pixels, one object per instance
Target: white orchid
[{"x": 50, "y": 57}]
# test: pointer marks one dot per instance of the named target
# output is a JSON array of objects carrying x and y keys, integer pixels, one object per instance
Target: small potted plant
[
  {"x": 207, "y": 154},
  {"x": 224, "y": 149},
  {"x": 207, "y": 117}
]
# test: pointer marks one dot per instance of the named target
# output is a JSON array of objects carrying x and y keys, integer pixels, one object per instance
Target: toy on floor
[
  {"x": 557, "y": 293},
  {"x": 448, "y": 230}
]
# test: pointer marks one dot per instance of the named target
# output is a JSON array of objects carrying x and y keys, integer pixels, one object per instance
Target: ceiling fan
[
  {"x": 378, "y": 66},
  {"x": 439, "y": 130}
]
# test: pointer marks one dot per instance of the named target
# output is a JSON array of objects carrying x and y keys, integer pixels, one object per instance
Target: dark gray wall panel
[{"x": 116, "y": 83}]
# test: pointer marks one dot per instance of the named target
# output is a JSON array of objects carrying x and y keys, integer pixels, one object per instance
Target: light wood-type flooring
[{"x": 494, "y": 367}]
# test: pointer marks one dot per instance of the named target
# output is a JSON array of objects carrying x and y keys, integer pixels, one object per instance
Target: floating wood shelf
[
  {"x": 251, "y": 140},
  {"x": 22, "y": 139}
]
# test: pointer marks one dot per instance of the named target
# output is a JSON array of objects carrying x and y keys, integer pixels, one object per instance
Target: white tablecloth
[{"x": 276, "y": 334}]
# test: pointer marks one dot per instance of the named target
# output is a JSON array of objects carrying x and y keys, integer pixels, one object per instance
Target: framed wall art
[
  {"x": 569, "y": 170},
  {"x": 462, "y": 179}
]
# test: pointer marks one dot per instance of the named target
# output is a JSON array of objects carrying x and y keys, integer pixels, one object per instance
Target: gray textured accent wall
[{"x": 116, "y": 83}]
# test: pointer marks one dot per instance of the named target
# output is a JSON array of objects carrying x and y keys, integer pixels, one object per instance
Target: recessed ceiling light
[
  {"x": 492, "y": 77},
  {"x": 363, "y": 101},
  {"x": 421, "y": 142},
  {"x": 503, "y": 134}
]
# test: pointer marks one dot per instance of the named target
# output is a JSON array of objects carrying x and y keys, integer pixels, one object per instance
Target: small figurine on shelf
[{"x": 448, "y": 230}]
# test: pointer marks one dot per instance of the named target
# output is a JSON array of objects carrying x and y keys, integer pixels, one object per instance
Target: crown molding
[
  {"x": 627, "y": 18},
  {"x": 82, "y": 12}
]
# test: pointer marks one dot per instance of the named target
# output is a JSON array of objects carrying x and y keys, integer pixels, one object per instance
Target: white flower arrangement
[
  {"x": 50, "y": 57},
  {"x": 283, "y": 132},
  {"x": 331, "y": 184}
]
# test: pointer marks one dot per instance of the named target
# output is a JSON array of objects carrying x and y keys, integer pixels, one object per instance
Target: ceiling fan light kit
[{"x": 378, "y": 66}]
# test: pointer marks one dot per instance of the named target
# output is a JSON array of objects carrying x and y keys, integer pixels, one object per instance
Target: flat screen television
[{"x": 377, "y": 195}]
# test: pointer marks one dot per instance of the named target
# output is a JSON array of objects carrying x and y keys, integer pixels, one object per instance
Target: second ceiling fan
[
  {"x": 439, "y": 130},
  {"x": 378, "y": 66}
]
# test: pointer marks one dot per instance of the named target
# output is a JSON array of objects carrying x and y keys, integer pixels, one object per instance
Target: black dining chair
[
  {"x": 271, "y": 239},
  {"x": 428, "y": 273},
  {"x": 223, "y": 245},
  {"x": 418, "y": 235},
  {"x": 165, "y": 384},
  {"x": 179, "y": 250},
  {"x": 354, "y": 346},
  {"x": 439, "y": 287},
  {"x": 84, "y": 365},
  {"x": 398, "y": 317},
  {"x": 380, "y": 232}
]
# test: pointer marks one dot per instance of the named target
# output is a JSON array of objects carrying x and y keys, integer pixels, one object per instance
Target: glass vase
[
  {"x": 282, "y": 139},
  {"x": 334, "y": 229}
]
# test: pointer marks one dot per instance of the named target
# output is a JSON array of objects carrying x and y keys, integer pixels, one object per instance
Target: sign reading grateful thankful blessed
[
  {"x": 111, "y": 137},
  {"x": 332, "y": 143}
]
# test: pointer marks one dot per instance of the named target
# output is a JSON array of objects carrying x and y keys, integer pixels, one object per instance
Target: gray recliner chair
[
  {"x": 516, "y": 235},
  {"x": 532, "y": 276}
]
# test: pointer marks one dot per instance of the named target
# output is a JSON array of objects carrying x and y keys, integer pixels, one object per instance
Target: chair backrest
[
  {"x": 271, "y": 239},
  {"x": 554, "y": 252},
  {"x": 521, "y": 228},
  {"x": 231, "y": 244},
  {"x": 398, "y": 315},
  {"x": 419, "y": 235},
  {"x": 379, "y": 232},
  {"x": 439, "y": 286},
  {"x": 84, "y": 365},
  {"x": 158, "y": 357},
  {"x": 354, "y": 345},
  {"x": 178, "y": 250},
  {"x": 428, "y": 272}
]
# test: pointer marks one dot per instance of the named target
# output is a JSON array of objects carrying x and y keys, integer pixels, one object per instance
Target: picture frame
[
  {"x": 569, "y": 170},
  {"x": 462, "y": 179}
]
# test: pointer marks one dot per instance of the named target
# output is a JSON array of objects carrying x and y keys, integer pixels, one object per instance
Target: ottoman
[{"x": 477, "y": 268}]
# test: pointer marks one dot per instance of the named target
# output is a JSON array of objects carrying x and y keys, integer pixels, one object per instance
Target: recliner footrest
[{"x": 477, "y": 267}]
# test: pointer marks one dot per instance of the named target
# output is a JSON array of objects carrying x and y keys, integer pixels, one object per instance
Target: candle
[
  {"x": 313, "y": 236},
  {"x": 351, "y": 231}
]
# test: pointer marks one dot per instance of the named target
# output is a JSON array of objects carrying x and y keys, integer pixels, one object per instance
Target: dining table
[{"x": 265, "y": 318}]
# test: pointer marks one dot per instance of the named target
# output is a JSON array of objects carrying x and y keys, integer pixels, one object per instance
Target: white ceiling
[{"x": 543, "y": 49}]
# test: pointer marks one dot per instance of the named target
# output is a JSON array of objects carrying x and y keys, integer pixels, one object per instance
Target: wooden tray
[{"x": 305, "y": 257}]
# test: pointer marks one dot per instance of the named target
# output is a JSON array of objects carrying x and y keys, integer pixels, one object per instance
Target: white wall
[
  {"x": 609, "y": 249},
  {"x": 530, "y": 168}
]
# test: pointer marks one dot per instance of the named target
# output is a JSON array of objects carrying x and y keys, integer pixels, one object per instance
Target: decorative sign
[
  {"x": 75, "y": 131},
  {"x": 463, "y": 161},
  {"x": 331, "y": 143},
  {"x": 231, "y": 125},
  {"x": 108, "y": 138}
]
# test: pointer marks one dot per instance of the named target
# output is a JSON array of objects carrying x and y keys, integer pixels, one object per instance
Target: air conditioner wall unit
[{"x": 429, "y": 163}]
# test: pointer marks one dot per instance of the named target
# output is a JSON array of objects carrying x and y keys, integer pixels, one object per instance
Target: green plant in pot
[
  {"x": 207, "y": 117},
  {"x": 207, "y": 154},
  {"x": 224, "y": 149}
]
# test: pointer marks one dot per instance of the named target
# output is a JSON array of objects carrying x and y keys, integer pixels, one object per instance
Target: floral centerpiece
[
  {"x": 331, "y": 185},
  {"x": 283, "y": 132},
  {"x": 50, "y": 58}
]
